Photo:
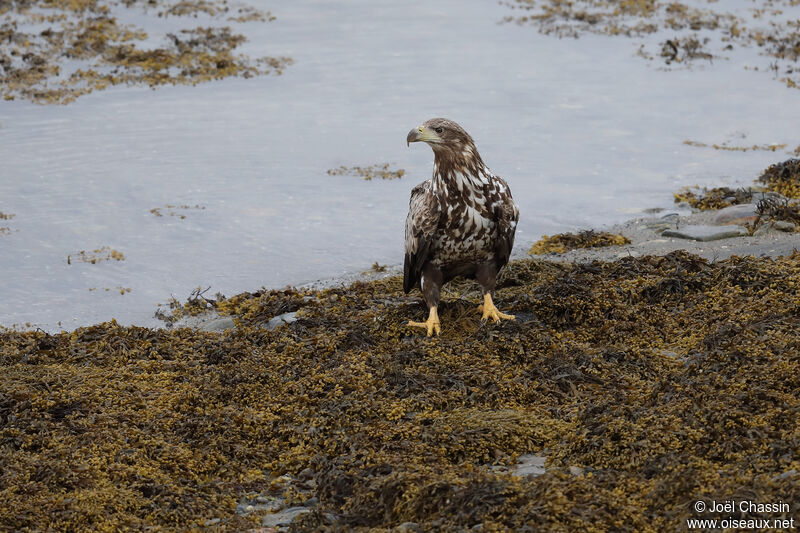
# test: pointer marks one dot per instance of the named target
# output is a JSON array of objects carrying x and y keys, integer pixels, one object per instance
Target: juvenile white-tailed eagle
[{"x": 461, "y": 222}]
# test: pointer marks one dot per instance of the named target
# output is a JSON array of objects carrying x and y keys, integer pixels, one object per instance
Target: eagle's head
[
  {"x": 440, "y": 132},
  {"x": 451, "y": 144}
]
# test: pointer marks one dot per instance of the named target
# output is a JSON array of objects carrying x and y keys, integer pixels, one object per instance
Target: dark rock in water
[
  {"x": 706, "y": 233},
  {"x": 286, "y": 318}
]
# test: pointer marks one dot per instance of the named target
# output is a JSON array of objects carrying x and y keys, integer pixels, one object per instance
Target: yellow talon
[
  {"x": 490, "y": 311},
  {"x": 432, "y": 324}
]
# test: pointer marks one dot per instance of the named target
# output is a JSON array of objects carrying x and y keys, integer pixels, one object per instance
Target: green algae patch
[
  {"x": 783, "y": 178},
  {"x": 715, "y": 198},
  {"x": 660, "y": 380},
  {"x": 57, "y": 51},
  {"x": 563, "y": 242},
  {"x": 373, "y": 171}
]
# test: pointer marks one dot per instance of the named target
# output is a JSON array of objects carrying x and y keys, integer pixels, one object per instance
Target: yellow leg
[
  {"x": 432, "y": 324},
  {"x": 490, "y": 311}
]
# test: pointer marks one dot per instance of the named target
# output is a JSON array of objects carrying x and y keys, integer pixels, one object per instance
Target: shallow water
[{"x": 585, "y": 132}]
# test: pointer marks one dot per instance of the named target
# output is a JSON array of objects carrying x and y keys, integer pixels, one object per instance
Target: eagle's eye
[{"x": 438, "y": 130}]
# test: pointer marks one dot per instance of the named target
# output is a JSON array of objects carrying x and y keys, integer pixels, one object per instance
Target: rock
[
  {"x": 784, "y": 225},
  {"x": 530, "y": 465},
  {"x": 627, "y": 253},
  {"x": 762, "y": 230},
  {"x": 283, "y": 518},
  {"x": 218, "y": 324},
  {"x": 658, "y": 226},
  {"x": 764, "y": 195},
  {"x": 576, "y": 470},
  {"x": 306, "y": 474},
  {"x": 407, "y": 527},
  {"x": 280, "y": 320},
  {"x": 212, "y": 522},
  {"x": 262, "y": 503},
  {"x": 706, "y": 233},
  {"x": 735, "y": 214}
]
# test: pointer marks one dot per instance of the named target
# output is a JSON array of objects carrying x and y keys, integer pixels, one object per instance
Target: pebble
[
  {"x": 407, "y": 527},
  {"x": 212, "y": 522},
  {"x": 530, "y": 465},
  {"x": 627, "y": 253},
  {"x": 218, "y": 324},
  {"x": 260, "y": 503},
  {"x": 286, "y": 318},
  {"x": 283, "y": 518},
  {"x": 659, "y": 225},
  {"x": 784, "y": 225},
  {"x": 762, "y": 230},
  {"x": 706, "y": 233},
  {"x": 576, "y": 470}
]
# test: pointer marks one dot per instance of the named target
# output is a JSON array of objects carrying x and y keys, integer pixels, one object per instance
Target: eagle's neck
[{"x": 458, "y": 169}]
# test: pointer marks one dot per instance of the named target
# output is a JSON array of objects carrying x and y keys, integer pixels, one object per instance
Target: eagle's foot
[
  {"x": 492, "y": 312},
  {"x": 432, "y": 324}
]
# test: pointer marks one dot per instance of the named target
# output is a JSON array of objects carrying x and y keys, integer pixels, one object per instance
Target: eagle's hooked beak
[
  {"x": 421, "y": 133},
  {"x": 415, "y": 135}
]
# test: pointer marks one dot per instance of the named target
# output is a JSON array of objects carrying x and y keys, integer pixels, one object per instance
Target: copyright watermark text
[{"x": 742, "y": 509}]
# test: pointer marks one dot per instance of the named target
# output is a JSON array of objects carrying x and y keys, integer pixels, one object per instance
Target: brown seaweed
[{"x": 660, "y": 380}]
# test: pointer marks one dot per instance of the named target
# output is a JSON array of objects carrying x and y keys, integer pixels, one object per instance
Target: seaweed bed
[
  {"x": 373, "y": 171},
  {"x": 55, "y": 51},
  {"x": 693, "y": 29},
  {"x": 665, "y": 379},
  {"x": 778, "y": 195},
  {"x": 715, "y": 198},
  {"x": 562, "y": 242}
]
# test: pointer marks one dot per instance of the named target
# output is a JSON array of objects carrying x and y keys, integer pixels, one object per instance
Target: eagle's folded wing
[
  {"x": 506, "y": 215},
  {"x": 421, "y": 223}
]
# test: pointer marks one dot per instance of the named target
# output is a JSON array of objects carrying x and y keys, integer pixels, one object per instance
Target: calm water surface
[{"x": 585, "y": 132}]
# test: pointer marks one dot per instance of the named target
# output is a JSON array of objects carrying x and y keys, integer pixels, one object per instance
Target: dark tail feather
[{"x": 409, "y": 275}]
